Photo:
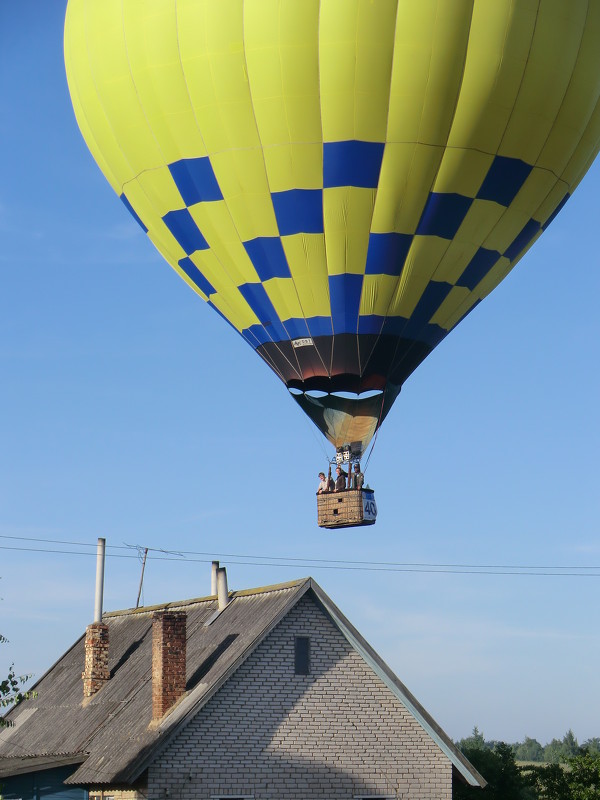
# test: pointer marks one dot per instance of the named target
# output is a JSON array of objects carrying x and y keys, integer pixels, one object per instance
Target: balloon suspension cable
[
  {"x": 376, "y": 433},
  {"x": 318, "y": 439}
]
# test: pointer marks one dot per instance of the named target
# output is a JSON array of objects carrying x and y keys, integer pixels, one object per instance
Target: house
[{"x": 263, "y": 694}]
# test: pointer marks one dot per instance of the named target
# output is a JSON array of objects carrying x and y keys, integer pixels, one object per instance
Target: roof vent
[
  {"x": 98, "y": 600},
  {"x": 213, "y": 578},
  {"x": 222, "y": 592}
]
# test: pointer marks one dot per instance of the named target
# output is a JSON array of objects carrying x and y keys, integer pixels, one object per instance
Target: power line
[
  {"x": 63, "y": 541},
  {"x": 304, "y": 560},
  {"x": 157, "y": 554}
]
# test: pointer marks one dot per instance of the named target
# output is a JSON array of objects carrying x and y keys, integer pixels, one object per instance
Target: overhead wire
[{"x": 192, "y": 556}]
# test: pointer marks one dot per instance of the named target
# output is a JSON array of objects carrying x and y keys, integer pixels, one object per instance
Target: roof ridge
[{"x": 209, "y": 598}]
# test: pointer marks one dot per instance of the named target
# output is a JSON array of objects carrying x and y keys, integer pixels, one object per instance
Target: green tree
[
  {"x": 474, "y": 741},
  {"x": 553, "y": 752},
  {"x": 578, "y": 779},
  {"x": 498, "y": 767},
  {"x": 10, "y": 688},
  {"x": 584, "y": 776},
  {"x": 592, "y": 745},
  {"x": 570, "y": 744},
  {"x": 548, "y": 782},
  {"x": 529, "y": 750},
  {"x": 560, "y": 751}
]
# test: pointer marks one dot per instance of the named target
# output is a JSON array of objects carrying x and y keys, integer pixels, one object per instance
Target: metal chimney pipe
[
  {"x": 222, "y": 593},
  {"x": 213, "y": 578},
  {"x": 99, "y": 580}
]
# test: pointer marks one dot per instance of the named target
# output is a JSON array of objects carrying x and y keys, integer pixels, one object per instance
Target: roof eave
[{"x": 20, "y": 765}]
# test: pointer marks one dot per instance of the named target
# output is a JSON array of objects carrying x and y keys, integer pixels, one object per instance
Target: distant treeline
[
  {"x": 561, "y": 770},
  {"x": 558, "y": 751}
]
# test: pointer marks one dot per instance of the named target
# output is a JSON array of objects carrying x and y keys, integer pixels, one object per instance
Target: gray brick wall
[{"x": 338, "y": 733}]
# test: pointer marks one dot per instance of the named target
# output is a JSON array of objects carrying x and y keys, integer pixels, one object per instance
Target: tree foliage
[
  {"x": 572, "y": 774},
  {"x": 592, "y": 745},
  {"x": 584, "y": 776},
  {"x": 578, "y": 779},
  {"x": 529, "y": 750},
  {"x": 548, "y": 782},
  {"x": 557, "y": 751},
  {"x": 560, "y": 751},
  {"x": 475, "y": 741},
  {"x": 496, "y": 763},
  {"x": 11, "y": 688}
]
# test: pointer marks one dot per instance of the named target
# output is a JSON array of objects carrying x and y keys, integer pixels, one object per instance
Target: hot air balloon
[{"x": 342, "y": 180}]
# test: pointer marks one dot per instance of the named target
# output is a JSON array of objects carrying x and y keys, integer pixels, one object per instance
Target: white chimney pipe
[
  {"x": 99, "y": 580},
  {"x": 213, "y": 578},
  {"x": 222, "y": 593}
]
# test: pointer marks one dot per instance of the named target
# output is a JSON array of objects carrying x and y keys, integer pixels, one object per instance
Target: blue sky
[{"x": 129, "y": 410}]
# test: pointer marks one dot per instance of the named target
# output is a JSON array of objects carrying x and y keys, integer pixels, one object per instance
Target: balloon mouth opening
[
  {"x": 345, "y": 418},
  {"x": 318, "y": 394}
]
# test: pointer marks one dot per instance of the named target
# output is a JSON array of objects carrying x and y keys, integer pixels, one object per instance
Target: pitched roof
[{"x": 111, "y": 734}]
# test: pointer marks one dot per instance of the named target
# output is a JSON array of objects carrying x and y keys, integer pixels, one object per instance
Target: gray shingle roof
[
  {"x": 113, "y": 726},
  {"x": 112, "y": 735}
]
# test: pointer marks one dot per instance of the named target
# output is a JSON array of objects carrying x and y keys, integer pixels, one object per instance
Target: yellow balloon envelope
[{"x": 341, "y": 180}]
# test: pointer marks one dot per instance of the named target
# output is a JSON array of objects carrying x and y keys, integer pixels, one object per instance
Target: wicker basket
[{"x": 342, "y": 509}]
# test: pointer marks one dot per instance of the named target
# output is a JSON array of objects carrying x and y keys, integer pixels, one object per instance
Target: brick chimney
[
  {"x": 96, "y": 672},
  {"x": 168, "y": 660}
]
